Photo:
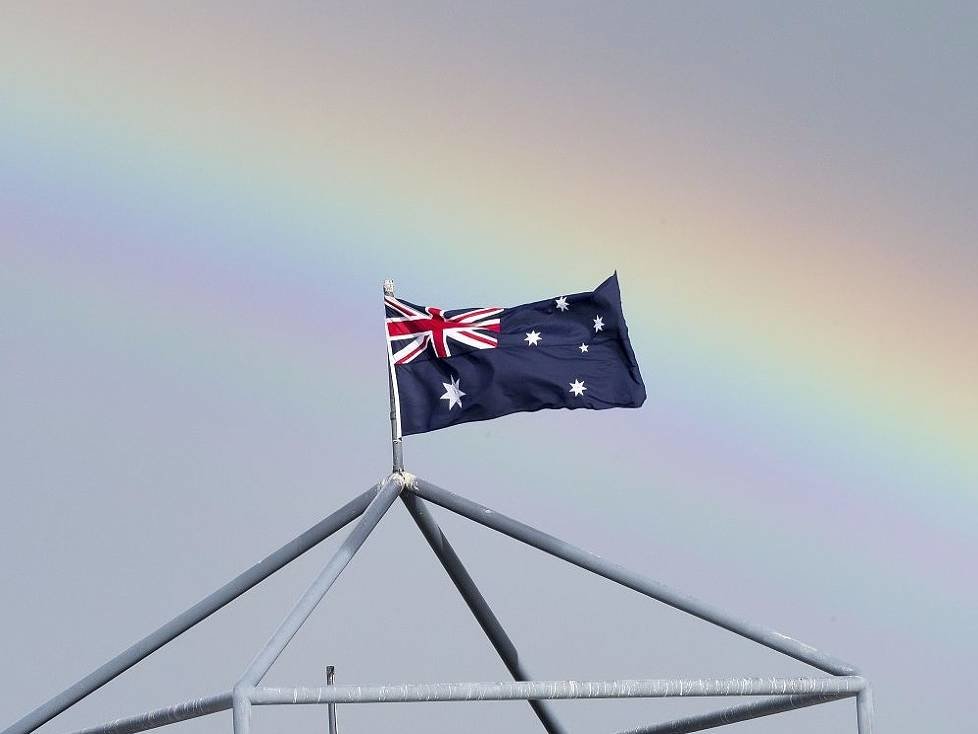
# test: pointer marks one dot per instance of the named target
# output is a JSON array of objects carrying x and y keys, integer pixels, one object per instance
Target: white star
[
  {"x": 598, "y": 324},
  {"x": 532, "y": 338},
  {"x": 452, "y": 393},
  {"x": 583, "y": 348},
  {"x": 562, "y": 303},
  {"x": 577, "y": 387}
]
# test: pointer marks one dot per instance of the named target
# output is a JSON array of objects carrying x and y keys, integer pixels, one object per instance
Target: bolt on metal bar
[
  {"x": 164, "y": 716},
  {"x": 192, "y": 616},
  {"x": 557, "y": 689},
  {"x": 594, "y": 563},
  {"x": 735, "y": 714},
  {"x": 477, "y": 604},
  {"x": 389, "y": 490}
]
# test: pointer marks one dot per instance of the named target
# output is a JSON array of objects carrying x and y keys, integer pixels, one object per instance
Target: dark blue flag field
[{"x": 460, "y": 365}]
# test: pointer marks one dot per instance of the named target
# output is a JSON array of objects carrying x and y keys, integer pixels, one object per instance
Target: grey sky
[{"x": 177, "y": 397}]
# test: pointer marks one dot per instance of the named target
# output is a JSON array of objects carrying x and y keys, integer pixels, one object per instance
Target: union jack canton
[{"x": 411, "y": 330}]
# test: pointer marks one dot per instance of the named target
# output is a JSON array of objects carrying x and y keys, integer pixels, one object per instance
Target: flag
[{"x": 471, "y": 364}]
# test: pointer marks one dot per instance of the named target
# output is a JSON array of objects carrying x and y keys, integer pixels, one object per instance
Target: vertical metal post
[
  {"x": 331, "y": 707},
  {"x": 864, "y": 711},
  {"x": 396, "y": 438},
  {"x": 241, "y": 710},
  {"x": 477, "y": 604}
]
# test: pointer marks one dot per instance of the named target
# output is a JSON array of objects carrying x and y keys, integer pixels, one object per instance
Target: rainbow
[{"x": 232, "y": 191}]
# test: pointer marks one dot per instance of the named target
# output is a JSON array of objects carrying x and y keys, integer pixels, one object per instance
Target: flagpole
[{"x": 396, "y": 442}]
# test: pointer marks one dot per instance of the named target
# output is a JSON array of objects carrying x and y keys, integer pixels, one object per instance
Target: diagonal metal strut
[
  {"x": 266, "y": 657},
  {"x": 164, "y": 716},
  {"x": 478, "y": 605},
  {"x": 300, "y": 612},
  {"x": 372, "y": 505},
  {"x": 736, "y": 714},
  {"x": 192, "y": 616},
  {"x": 572, "y": 554}
]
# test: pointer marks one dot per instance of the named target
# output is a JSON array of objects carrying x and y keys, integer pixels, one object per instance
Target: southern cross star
[
  {"x": 562, "y": 303},
  {"x": 532, "y": 338},
  {"x": 598, "y": 324},
  {"x": 583, "y": 348},
  {"x": 577, "y": 387},
  {"x": 453, "y": 393}
]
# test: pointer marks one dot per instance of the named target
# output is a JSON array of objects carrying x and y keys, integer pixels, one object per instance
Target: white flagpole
[{"x": 396, "y": 442}]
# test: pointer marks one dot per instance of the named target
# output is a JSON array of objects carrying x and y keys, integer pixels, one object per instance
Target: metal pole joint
[{"x": 241, "y": 697}]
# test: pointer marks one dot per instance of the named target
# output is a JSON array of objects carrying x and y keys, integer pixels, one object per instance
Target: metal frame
[
  {"x": 192, "y": 616},
  {"x": 478, "y": 605},
  {"x": 331, "y": 707},
  {"x": 843, "y": 680}
]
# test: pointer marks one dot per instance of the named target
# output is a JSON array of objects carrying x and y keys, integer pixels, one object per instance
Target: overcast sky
[{"x": 198, "y": 207}]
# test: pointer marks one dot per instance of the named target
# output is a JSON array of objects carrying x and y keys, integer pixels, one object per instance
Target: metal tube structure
[
  {"x": 242, "y": 698},
  {"x": 389, "y": 490},
  {"x": 241, "y": 710},
  {"x": 330, "y": 708},
  {"x": 572, "y": 554},
  {"x": 164, "y": 716},
  {"x": 192, "y": 616},
  {"x": 557, "y": 689},
  {"x": 864, "y": 711},
  {"x": 397, "y": 441},
  {"x": 735, "y": 714},
  {"x": 477, "y": 604}
]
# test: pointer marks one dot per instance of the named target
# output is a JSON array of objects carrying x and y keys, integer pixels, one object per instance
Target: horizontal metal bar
[
  {"x": 553, "y": 689},
  {"x": 195, "y": 614},
  {"x": 596, "y": 564},
  {"x": 735, "y": 714},
  {"x": 161, "y": 717}
]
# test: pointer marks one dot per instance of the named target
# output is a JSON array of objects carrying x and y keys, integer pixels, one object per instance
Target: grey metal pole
[
  {"x": 735, "y": 714},
  {"x": 389, "y": 490},
  {"x": 557, "y": 689},
  {"x": 572, "y": 554},
  {"x": 241, "y": 710},
  {"x": 864, "y": 711},
  {"x": 397, "y": 441},
  {"x": 164, "y": 716},
  {"x": 195, "y": 614},
  {"x": 477, "y": 604},
  {"x": 331, "y": 708}
]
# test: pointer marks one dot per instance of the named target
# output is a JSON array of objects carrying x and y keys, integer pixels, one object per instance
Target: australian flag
[{"x": 472, "y": 364}]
